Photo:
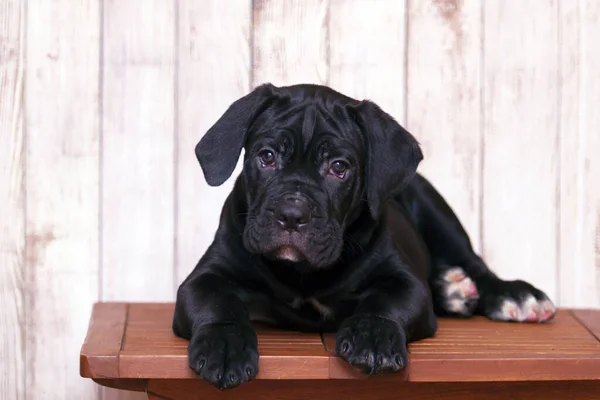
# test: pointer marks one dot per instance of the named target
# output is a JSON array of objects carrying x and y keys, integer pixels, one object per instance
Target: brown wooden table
[{"x": 131, "y": 347}]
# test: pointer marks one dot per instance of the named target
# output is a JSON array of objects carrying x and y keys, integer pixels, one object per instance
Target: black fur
[{"x": 327, "y": 229}]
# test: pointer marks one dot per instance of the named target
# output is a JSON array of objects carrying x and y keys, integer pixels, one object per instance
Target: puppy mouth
[
  {"x": 314, "y": 248},
  {"x": 286, "y": 253}
]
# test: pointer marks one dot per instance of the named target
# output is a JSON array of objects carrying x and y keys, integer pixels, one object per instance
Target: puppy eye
[
  {"x": 339, "y": 168},
  {"x": 267, "y": 158}
]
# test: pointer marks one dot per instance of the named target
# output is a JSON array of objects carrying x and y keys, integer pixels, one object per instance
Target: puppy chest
[
  {"x": 300, "y": 312},
  {"x": 313, "y": 307},
  {"x": 297, "y": 309}
]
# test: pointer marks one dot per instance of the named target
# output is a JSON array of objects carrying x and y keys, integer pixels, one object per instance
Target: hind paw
[
  {"x": 516, "y": 301},
  {"x": 459, "y": 293}
]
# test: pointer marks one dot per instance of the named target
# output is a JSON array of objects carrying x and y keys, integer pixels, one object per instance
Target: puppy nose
[{"x": 293, "y": 212}]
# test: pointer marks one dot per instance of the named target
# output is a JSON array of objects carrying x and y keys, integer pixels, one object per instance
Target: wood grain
[
  {"x": 520, "y": 141},
  {"x": 479, "y": 350},
  {"x": 213, "y": 71},
  {"x": 376, "y": 388},
  {"x": 473, "y": 350},
  {"x": 62, "y": 158},
  {"x": 151, "y": 350},
  {"x": 12, "y": 201},
  {"x": 135, "y": 385},
  {"x": 99, "y": 355},
  {"x": 290, "y": 42},
  {"x": 138, "y": 187},
  {"x": 367, "y": 52},
  {"x": 579, "y": 148},
  {"x": 138, "y": 142},
  {"x": 590, "y": 319},
  {"x": 444, "y": 102}
]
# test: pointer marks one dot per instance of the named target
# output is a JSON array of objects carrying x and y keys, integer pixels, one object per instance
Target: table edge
[{"x": 99, "y": 356}]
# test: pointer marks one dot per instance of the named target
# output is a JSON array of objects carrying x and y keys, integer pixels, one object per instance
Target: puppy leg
[
  {"x": 455, "y": 266},
  {"x": 223, "y": 343},
  {"x": 374, "y": 339}
]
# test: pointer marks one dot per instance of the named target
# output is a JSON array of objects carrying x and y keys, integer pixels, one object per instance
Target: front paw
[
  {"x": 224, "y": 355},
  {"x": 516, "y": 301},
  {"x": 372, "y": 344}
]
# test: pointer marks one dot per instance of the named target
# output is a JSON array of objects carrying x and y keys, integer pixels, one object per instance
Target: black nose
[{"x": 292, "y": 212}]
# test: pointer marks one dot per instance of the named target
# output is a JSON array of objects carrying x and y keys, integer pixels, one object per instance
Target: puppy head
[{"x": 314, "y": 161}]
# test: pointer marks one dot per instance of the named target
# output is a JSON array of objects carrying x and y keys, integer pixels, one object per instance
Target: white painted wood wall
[{"x": 102, "y": 101}]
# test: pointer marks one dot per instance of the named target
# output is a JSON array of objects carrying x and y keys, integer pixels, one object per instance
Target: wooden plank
[
  {"x": 478, "y": 350},
  {"x": 138, "y": 187},
  {"x": 61, "y": 178},
  {"x": 169, "y": 366},
  {"x": 590, "y": 319},
  {"x": 443, "y": 101},
  {"x": 213, "y": 71},
  {"x": 579, "y": 163},
  {"x": 520, "y": 141},
  {"x": 12, "y": 201},
  {"x": 381, "y": 388},
  {"x": 138, "y": 145},
  {"x": 100, "y": 351},
  {"x": 135, "y": 385},
  {"x": 152, "y": 351},
  {"x": 367, "y": 52},
  {"x": 463, "y": 351},
  {"x": 290, "y": 42}
]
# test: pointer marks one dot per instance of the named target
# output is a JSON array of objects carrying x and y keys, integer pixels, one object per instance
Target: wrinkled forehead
[{"x": 308, "y": 125}]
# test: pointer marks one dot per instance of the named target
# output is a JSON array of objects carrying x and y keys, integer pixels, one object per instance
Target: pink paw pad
[
  {"x": 460, "y": 291},
  {"x": 534, "y": 315},
  {"x": 471, "y": 290},
  {"x": 548, "y": 311},
  {"x": 528, "y": 310}
]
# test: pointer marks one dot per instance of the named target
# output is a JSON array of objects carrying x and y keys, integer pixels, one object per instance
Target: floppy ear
[
  {"x": 219, "y": 149},
  {"x": 393, "y": 155}
]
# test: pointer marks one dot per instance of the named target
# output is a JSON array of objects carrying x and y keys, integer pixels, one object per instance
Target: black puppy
[{"x": 329, "y": 228}]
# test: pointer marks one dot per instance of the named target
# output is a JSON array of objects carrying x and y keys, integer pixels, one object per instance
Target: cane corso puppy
[{"x": 329, "y": 229}]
